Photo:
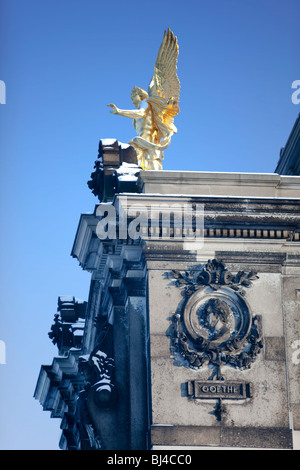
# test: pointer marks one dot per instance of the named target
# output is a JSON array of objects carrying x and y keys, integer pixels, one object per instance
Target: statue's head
[
  {"x": 138, "y": 95},
  {"x": 215, "y": 310}
]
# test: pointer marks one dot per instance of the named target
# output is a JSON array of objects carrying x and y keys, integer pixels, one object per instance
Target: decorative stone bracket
[{"x": 97, "y": 369}]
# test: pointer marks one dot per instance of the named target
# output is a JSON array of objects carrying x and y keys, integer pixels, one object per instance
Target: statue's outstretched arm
[{"x": 133, "y": 114}]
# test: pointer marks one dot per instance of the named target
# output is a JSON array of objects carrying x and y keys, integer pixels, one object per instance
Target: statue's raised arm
[{"x": 155, "y": 124}]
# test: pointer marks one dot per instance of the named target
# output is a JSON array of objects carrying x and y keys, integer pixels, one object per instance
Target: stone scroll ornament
[{"x": 216, "y": 325}]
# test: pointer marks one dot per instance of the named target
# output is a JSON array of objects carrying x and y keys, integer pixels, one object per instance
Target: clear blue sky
[{"x": 62, "y": 61}]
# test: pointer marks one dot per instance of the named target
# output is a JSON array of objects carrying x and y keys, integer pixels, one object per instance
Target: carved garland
[{"x": 216, "y": 326}]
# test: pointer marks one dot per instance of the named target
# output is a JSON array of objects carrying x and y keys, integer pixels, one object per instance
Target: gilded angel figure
[{"x": 154, "y": 124}]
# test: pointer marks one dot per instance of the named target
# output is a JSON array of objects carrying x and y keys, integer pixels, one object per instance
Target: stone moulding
[
  {"x": 220, "y": 184},
  {"x": 289, "y": 235},
  {"x": 222, "y": 436},
  {"x": 238, "y": 217}
]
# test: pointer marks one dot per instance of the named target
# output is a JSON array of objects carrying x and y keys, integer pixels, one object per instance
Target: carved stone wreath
[{"x": 216, "y": 325}]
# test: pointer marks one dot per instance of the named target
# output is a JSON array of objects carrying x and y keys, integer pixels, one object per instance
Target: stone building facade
[
  {"x": 289, "y": 160},
  {"x": 191, "y": 332}
]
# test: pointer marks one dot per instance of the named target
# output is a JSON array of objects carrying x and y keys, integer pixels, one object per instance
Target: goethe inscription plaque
[
  {"x": 216, "y": 329},
  {"x": 219, "y": 389}
]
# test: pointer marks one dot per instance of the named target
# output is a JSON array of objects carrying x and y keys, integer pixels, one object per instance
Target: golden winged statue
[{"x": 154, "y": 123}]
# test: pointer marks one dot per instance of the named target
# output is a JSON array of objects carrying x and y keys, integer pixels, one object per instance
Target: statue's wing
[{"x": 165, "y": 83}]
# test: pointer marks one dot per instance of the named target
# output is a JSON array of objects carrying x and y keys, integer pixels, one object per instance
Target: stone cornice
[
  {"x": 229, "y": 217},
  {"x": 263, "y": 218},
  {"x": 219, "y": 184}
]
